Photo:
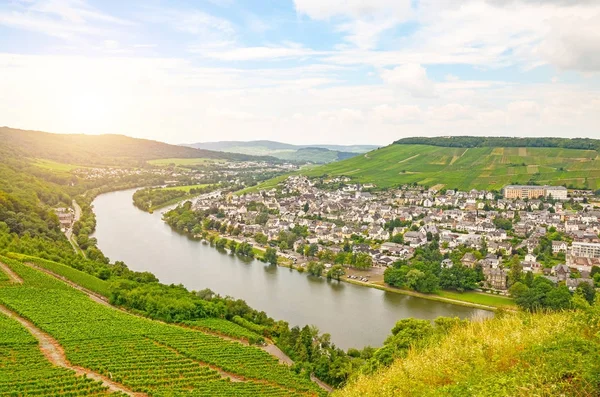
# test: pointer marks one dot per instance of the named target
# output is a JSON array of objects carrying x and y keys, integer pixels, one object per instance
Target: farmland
[
  {"x": 145, "y": 356},
  {"x": 25, "y": 371},
  {"x": 468, "y": 168}
]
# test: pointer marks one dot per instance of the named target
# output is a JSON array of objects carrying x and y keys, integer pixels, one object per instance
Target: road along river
[{"x": 354, "y": 315}]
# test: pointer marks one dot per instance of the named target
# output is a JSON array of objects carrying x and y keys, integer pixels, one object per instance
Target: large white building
[
  {"x": 585, "y": 250},
  {"x": 533, "y": 192}
]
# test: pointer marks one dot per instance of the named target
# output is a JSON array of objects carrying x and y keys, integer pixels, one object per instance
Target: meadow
[{"x": 468, "y": 168}]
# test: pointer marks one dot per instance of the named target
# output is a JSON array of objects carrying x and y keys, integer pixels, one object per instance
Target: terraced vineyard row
[
  {"x": 25, "y": 371},
  {"x": 143, "y": 355},
  {"x": 227, "y": 328}
]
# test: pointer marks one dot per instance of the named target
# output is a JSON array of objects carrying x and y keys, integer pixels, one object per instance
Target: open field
[
  {"x": 55, "y": 166},
  {"x": 467, "y": 168},
  {"x": 480, "y": 298},
  {"x": 186, "y": 188},
  {"x": 183, "y": 162}
]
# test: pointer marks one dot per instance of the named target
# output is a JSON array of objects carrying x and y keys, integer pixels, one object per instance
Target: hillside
[
  {"x": 122, "y": 351},
  {"x": 469, "y": 167},
  {"x": 319, "y": 154},
  {"x": 98, "y": 149},
  {"x": 546, "y": 354}
]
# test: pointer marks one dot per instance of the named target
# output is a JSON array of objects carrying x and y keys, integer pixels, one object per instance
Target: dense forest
[{"x": 477, "y": 141}]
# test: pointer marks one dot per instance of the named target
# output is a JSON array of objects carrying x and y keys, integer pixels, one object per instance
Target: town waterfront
[{"x": 355, "y": 316}]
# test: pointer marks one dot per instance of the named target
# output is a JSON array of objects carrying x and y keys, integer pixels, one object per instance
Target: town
[{"x": 553, "y": 232}]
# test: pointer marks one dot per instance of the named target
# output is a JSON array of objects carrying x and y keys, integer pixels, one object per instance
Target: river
[{"x": 354, "y": 315}]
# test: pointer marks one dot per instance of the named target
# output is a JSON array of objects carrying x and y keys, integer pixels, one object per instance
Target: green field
[
  {"x": 184, "y": 161},
  {"x": 186, "y": 188},
  {"x": 467, "y": 168},
  {"x": 480, "y": 298},
  {"x": 55, "y": 166},
  {"x": 143, "y": 355}
]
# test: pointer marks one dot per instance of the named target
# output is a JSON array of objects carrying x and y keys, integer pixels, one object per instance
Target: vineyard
[
  {"x": 143, "y": 355},
  {"x": 77, "y": 276},
  {"x": 25, "y": 371},
  {"x": 226, "y": 328},
  {"x": 3, "y": 277}
]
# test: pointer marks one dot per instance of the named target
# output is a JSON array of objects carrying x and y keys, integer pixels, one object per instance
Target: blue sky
[{"x": 301, "y": 71}]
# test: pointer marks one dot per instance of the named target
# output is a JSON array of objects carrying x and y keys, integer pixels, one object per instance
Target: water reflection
[{"x": 355, "y": 316}]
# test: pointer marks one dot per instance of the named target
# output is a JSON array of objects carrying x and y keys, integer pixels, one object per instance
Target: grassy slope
[
  {"x": 464, "y": 168},
  {"x": 516, "y": 355}
]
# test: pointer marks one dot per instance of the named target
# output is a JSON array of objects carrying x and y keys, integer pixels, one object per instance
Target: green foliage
[
  {"x": 336, "y": 272},
  {"x": 315, "y": 268},
  {"x": 150, "y": 198},
  {"x": 542, "y": 295},
  {"x": 477, "y": 141}
]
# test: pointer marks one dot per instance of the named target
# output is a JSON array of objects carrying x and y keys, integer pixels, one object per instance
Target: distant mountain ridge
[
  {"x": 107, "y": 149},
  {"x": 304, "y": 153}
]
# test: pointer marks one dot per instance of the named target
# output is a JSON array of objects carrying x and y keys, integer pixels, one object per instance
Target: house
[
  {"x": 469, "y": 260},
  {"x": 447, "y": 264},
  {"x": 415, "y": 239},
  {"x": 497, "y": 278},
  {"x": 561, "y": 272},
  {"x": 559, "y": 246}
]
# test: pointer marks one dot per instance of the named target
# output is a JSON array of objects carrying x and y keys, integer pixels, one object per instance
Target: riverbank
[{"x": 472, "y": 299}]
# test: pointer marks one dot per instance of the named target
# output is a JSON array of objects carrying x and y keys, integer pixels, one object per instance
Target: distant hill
[
  {"x": 319, "y": 154},
  {"x": 99, "y": 149},
  {"x": 456, "y": 163}
]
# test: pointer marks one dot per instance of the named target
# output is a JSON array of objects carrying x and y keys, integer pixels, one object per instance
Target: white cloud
[
  {"x": 364, "y": 20},
  {"x": 65, "y": 19},
  {"x": 409, "y": 77},
  {"x": 234, "y": 53}
]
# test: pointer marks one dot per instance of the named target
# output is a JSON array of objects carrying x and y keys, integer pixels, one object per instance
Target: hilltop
[
  {"x": 481, "y": 163},
  {"x": 99, "y": 149},
  {"x": 319, "y": 154}
]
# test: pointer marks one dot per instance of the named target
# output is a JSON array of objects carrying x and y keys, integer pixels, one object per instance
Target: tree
[
  {"x": 558, "y": 298},
  {"x": 261, "y": 238},
  {"x": 515, "y": 274},
  {"x": 336, "y": 272},
  {"x": 518, "y": 289},
  {"x": 312, "y": 250},
  {"x": 587, "y": 291},
  {"x": 283, "y": 246},
  {"x": 271, "y": 256},
  {"x": 315, "y": 268},
  {"x": 305, "y": 207}
]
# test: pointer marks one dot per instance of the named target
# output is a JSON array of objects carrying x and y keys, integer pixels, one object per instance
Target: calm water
[{"x": 355, "y": 316}]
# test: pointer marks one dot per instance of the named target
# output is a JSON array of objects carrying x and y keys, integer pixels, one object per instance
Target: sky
[{"x": 301, "y": 71}]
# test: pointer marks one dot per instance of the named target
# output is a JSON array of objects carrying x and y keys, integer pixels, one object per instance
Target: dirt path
[
  {"x": 54, "y": 352},
  {"x": 278, "y": 353},
  {"x": 321, "y": 384},
  {"x": 12, "y": 276}
]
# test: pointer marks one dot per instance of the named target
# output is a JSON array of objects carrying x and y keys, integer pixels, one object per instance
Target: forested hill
[
  {"x": 477, "y": 141},
  {"x": 99, "y": 149}
]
